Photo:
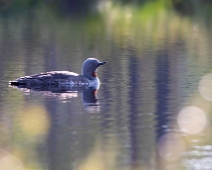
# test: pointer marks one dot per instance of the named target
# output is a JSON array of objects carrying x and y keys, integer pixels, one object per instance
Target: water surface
[{"x": 153, "y": 108}]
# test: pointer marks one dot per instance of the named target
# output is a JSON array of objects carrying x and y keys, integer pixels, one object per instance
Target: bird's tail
[{"x": 17, "y": 83}]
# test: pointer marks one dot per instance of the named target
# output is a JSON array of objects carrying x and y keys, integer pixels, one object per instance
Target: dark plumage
[
  {"x": 63, "y": 78},
  {"x": 51, "y": 78}
]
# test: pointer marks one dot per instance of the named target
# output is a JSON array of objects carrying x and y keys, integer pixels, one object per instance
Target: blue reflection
[{"x": 162, "y": 84}]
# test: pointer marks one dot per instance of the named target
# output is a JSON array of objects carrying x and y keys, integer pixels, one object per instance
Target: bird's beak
[{"x": 102, "y": 63}]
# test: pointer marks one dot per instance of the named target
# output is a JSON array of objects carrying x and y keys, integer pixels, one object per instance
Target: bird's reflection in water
[
  {"x": 64, "y": 93},
  {"x": 91, "y": 103}
]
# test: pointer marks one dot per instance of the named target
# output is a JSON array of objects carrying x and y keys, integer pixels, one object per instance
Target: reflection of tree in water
[
  {"x": 142, "y": 112},
  {"x": 128, "y": 128},
  {"x": 168, "y": 133},
  {"x": 71, "y": 137},
  {"x": 74, "y": 7},
  {"x": 162, "y": 83},
  {"x": 167, "y": 107},
  {"x": 72, "y": 134}
]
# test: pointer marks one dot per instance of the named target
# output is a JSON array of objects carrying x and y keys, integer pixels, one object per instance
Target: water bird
[{"x": 88, "y": 78}]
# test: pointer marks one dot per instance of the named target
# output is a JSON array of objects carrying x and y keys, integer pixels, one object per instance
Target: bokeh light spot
[
  {"x": 205, "y": 87},
  {"x": 11, "y": 163},
  {"x": 171, "y": 146},
  {"x": 192, "y": 120},
  {"x": 35, "y": 121}
]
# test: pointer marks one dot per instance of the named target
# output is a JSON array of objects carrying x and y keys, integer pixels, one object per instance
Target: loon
[{"x": 64, "y": 78}]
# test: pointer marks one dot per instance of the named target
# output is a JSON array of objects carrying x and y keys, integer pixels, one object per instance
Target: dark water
[{"x": 153, "y": 108}]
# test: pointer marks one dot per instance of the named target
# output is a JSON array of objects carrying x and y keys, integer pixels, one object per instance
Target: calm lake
[{"x": 153, "y": 110}]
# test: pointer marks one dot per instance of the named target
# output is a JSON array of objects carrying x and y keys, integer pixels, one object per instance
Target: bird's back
[{"x": 52, "y": 78}]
